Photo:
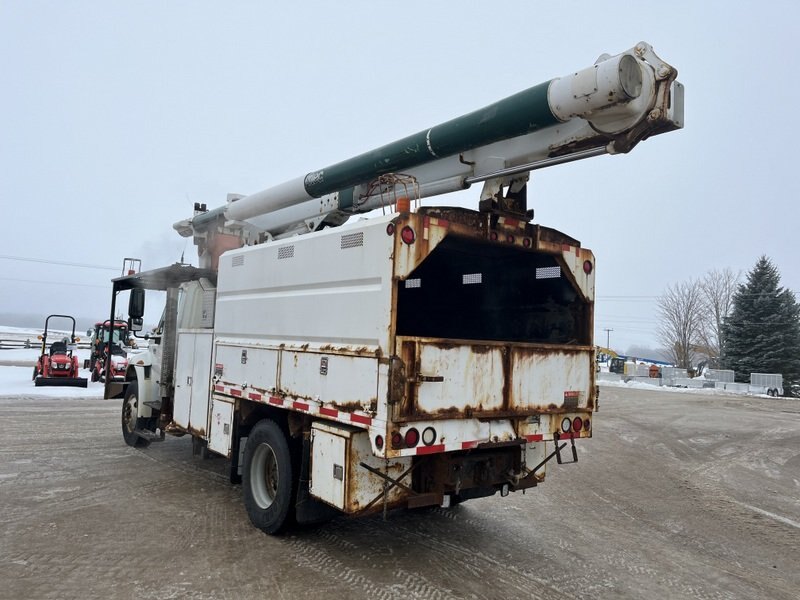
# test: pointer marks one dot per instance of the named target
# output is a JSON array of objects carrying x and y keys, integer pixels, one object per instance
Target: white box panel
[{"x": 221, "y": 427}]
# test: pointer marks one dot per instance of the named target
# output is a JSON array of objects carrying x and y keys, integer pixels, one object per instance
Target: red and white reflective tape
[
  {"x": 428, "y": 221},
  {"x": 566, "y": 249},
  {"x": 440, "y": 448},
  {"x": 311, "y": 407},
  {"x": 549, "y": 437},
  {"x": 507, "y": 223}
]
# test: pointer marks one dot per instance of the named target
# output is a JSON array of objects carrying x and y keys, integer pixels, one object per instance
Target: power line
[
  {"x": 625, "y": 297},
  {"x": 58, "y": 262},
  {"x": 51, "y": 283}
]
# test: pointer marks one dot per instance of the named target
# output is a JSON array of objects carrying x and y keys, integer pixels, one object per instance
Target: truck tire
[
  {"x": 130, "y": 405},
  {"x": 268, "y": 478}
]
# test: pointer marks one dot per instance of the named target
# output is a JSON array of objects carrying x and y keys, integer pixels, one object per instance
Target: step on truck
[{"x": 422, "y": 357}]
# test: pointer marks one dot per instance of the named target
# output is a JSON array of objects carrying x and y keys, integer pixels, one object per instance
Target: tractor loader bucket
[{"x": 65, "y": 381}]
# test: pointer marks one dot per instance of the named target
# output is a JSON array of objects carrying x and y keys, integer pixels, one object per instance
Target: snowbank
[
  {"x": 675, "y": 390},
  {"x": 16, "y": 381}
]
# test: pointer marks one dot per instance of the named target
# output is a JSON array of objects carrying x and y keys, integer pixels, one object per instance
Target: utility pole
[{"x": 608, "y": 338}]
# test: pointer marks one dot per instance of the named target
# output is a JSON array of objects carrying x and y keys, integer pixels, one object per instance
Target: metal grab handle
[{"x": 428, "y": 378}]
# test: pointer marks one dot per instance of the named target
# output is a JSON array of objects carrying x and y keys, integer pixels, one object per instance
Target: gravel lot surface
[{"x": 676, "y": 496}]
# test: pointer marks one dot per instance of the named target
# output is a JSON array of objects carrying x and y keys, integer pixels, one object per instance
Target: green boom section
[{"x": 522, "y": 113}]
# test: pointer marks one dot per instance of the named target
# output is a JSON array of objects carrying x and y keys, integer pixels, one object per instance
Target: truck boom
[{"x": 606, "y": 108}]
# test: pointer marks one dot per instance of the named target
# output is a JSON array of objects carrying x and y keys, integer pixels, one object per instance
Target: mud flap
[{"x": 308, "y": 510}]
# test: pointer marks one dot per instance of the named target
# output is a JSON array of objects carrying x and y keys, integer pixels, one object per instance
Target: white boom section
[{"x": 606, "y": 108}]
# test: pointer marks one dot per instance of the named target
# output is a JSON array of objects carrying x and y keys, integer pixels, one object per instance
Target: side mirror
[
  {"x": 136, "y": 310},
  {"x": 136, "y": 305}
]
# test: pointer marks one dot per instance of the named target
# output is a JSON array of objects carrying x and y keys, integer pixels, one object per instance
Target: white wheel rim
[
  {"x": 264, "y": 476},
  {"x": 129, "y": 416}
]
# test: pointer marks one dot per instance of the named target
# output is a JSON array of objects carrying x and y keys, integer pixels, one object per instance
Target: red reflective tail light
[
  {"x": 407, "y": 235},
  {"x": 412, "y": 437}
]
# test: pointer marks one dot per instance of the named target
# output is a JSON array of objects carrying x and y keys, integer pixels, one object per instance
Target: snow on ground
[
  {"x": 16, "y": 381},
  {"x": 28, "y": 333},
  {"x": 675, "y": 390},
  {"x": 32, "y": 354}
]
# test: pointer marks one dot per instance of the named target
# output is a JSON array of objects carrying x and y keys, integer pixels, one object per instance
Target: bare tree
[
  {"x": 717, "y": 289},
  {"x": 681, "y": 311}
]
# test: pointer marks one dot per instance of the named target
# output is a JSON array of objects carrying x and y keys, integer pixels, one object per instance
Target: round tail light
[
  {"x": 412, "y": 437},
  {"x": 577, "y": 424},
  {"x": 566, "y": 424},
  {"x": 587, "y": 266},
  {"x": 390, "y": 229},
  {"x": 493, "y": 236},
  {"x": 407, "y": 235},
  {"x": 586, "y": 425},
  {"x": 379, "y": 442}
]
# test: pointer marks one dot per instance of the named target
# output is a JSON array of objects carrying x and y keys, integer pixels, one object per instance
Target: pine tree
[{"x": 762, "y": 333}]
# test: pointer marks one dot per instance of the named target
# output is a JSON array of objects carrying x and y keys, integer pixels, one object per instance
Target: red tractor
[
  {"x": 101, "y": 346},
  {"x": 58, "y": 364}
]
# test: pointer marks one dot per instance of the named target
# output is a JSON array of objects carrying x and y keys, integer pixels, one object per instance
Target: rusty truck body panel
[{"x": 477, "y": 334}]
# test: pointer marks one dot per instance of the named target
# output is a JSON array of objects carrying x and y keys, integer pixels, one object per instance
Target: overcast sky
[{"x": 117, "y": 116}]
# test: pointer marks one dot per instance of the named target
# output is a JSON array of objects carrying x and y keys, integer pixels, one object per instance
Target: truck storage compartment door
[
  {"x": 337, "y": 474},
  {"x": 220, "y": 426},
  {"x": 340, "y": 377},
  {"x": 448, "y": 379},
  {"x": 192, "y": 380},
  {"x": 548, "y": 378}
]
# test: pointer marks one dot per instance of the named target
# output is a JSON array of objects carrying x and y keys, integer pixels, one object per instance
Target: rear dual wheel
[{"x": 268, "y": 478}]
